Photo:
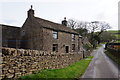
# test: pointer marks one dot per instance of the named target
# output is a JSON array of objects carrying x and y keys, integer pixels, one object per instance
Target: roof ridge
[
  {"x": 9, "y": 26},
  {"x": 48, "y": 21},
  {"x": 67, "y": 29}
]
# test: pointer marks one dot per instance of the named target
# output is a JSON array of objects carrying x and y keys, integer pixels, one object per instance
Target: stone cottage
[{"x": 40, "y": 34}]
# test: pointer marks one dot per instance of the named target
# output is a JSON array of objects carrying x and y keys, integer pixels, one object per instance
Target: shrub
[{"x": 87, "y": 47}]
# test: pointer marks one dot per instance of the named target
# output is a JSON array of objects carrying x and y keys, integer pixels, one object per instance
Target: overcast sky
[{"x": 14, "y": 12}]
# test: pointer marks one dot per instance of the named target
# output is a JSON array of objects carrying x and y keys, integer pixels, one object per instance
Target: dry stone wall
[{"x": 20, "y": 62}]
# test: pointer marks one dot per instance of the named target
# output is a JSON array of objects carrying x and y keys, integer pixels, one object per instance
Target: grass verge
[
  {"x": 114, "y": 58},
  {"x": 76, "y": 70},
  {"x": 98, "y": 46}
]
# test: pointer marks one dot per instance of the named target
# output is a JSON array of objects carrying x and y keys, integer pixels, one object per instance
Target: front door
[{"x": 67, "y": 49}]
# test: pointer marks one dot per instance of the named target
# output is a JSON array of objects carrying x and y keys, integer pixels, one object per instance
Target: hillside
[
  {"x": 116, "y": 34},
  {"x": 114, "y": 31}
]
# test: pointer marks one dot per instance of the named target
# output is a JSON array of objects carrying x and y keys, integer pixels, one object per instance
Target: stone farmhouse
[{"x": 40, "y": 34}]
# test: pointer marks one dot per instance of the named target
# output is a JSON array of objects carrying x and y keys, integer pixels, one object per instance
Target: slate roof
[
  {"x": 54, "y": 26},
  {"x": 8, "y": 26},
  {"x": 10, "y": 31}
]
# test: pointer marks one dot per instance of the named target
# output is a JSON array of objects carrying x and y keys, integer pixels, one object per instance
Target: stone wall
[
  {"x": 10, "y": 36},
  {"x": 20, "y": 62},
  {"x": 64, "y": 39},
  {"x": 33, "y": 35}
]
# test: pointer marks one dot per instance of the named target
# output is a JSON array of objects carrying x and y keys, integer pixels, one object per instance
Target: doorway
[{"x": 67, "y": 49}]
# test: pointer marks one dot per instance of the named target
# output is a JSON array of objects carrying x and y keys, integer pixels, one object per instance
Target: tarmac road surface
[{"x": 101, "y": 66}]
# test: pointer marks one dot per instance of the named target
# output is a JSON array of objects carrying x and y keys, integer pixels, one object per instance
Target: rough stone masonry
[{"x": 20, "y": 62}]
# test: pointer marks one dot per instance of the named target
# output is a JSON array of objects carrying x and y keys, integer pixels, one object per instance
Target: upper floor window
[
  {"x": 55, "y": 34},
  {"x": 73, "y": 37}
]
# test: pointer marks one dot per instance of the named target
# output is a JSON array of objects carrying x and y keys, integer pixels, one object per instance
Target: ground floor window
[
  {"x": 55, "y": 47},
  {"x": 67, "y": 49},
  {"x": 73, "y": 47}
]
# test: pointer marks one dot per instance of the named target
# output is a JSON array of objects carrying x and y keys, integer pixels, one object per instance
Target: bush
[{"x": 87, "y": 47}]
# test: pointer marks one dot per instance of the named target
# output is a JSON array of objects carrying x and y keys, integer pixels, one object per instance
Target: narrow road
[{"x": 101, "y": 66}]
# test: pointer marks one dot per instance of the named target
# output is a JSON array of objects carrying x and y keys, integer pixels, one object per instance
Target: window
[
  {"x": 73, "y": 47},
  {"x": 55, "y": 35},
  {"x": 67, "y": 49},
  {"x": 73, "y": 37},
  {"x": 55, "y": 47}
]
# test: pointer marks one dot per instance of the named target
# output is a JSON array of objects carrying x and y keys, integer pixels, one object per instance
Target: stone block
[
  {"x": 9, "y": 75},
  {"x": 11, "y": 71}
]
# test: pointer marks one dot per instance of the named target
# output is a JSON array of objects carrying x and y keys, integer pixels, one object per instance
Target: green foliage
[
  {"x": 99, "y": 45},
  {"x": 117, "y": 41},
  {"x": 114, "y": 58},
  {"x": 33, "y": 72},
  {"x": 94, "y": 39},
  {"x": 82, "y": 31},
  {"x": 76, "y": 70},
  {"x": 97, "y": 38},
  {"x": 87, "y": 47},
  {"x": 106, "y": 36},
  {"x": 115, "y": 33}
]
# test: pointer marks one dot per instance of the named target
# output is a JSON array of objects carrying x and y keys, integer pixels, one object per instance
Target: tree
[
  {"x": 72, "y": 23},
  {"x": 79, "y": 26},
  {"x": 99, "y": 26},
  {"x": 107, "y": 37},
  {"x": 82, "y": 31},
  {"x": 89, "y": 28}
]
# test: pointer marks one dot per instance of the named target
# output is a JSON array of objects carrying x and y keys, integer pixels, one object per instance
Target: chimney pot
[
  {"x": 31, "y": 12},
  {"x": 64, "y": 22}
]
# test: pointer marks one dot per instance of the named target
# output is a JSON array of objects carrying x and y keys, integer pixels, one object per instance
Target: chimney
[
  {"x": 31, "y": 12},
  {"x": 64, "y": 22}
]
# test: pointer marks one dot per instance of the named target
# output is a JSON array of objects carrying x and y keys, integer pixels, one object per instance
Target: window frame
[
  {"x": 73, "y": 47},
  {"x": 73, "y": 37},
  {"x": 56, "y": 48},
  {"x": 55, "y": 34}
]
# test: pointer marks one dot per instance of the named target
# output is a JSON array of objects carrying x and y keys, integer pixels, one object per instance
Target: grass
[
  {"x": 115, "y": 59},
  {"x": 113, "y": 31},
  {"x": 117, "y": 36},
  {"x": 99, "y": 45},
  {"x": 76, "y": 70},
  {"x": 117, "y": 41}
]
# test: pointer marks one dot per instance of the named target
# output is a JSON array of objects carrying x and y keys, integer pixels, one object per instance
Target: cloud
[
  {"x": 15, "y": 11},
  {"x": 10, "y": 21},
  {"x": 100, "y": 16}
]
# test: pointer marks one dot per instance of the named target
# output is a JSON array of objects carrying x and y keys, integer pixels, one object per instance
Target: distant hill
[{"x": 116, "y": 33}]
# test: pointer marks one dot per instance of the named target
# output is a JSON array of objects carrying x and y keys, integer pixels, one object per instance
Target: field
[{"x": 116, "y": 34}]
